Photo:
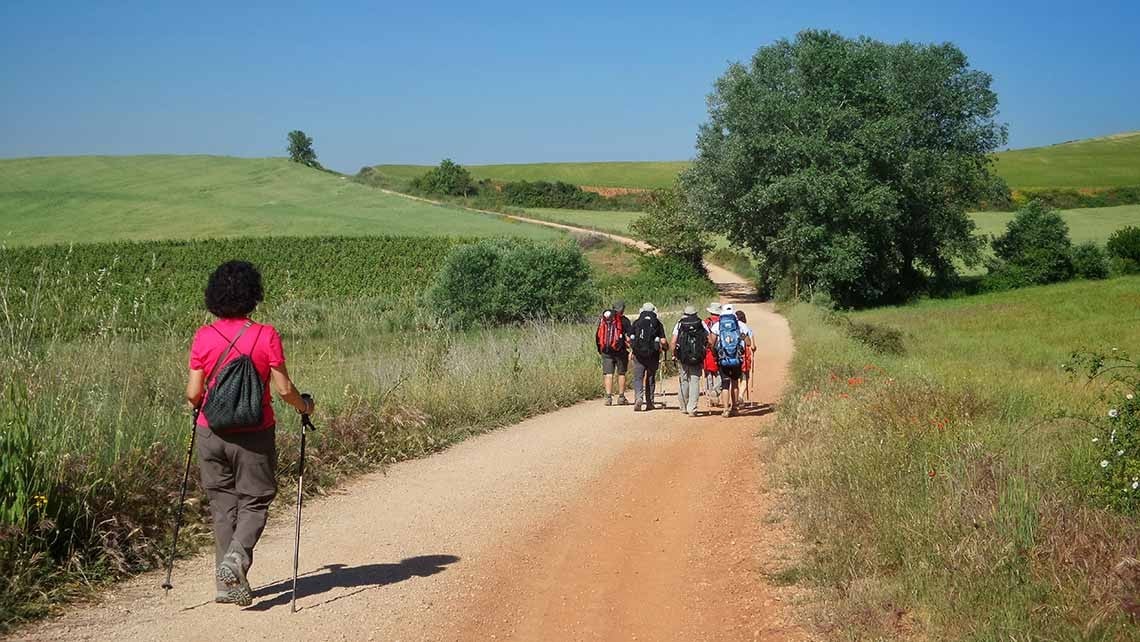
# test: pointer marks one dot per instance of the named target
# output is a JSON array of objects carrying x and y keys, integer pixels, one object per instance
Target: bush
[
  {"x": 1070, "y": 198},
  {"x": 509, "y": 281},
  {"x": 544, "y": 194},
  {"x": 449, "y": 179},
  {"x": 1089, "y": 261},
  {"x": 1124, "y": 248},
  {"x": 1034, "y": 250}
]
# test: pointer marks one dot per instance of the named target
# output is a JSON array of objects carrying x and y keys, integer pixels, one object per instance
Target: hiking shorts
[
  {"x": 728, "y": 374},
  {"x": 615, "y": 363}
]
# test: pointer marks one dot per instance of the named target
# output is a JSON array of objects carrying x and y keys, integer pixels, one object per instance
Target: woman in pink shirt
[{"x": 238, "y": 464}]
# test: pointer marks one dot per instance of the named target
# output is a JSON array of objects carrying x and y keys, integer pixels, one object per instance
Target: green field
[
  {"x": 1094, "y": 224},
  {"x": 613, "y": 222},
  {"x": 943, "y": 465},
  {"x": 645, "y": 174},
  {"x": 1111, "y": 161},
  {"x": 97, "y": 198}
]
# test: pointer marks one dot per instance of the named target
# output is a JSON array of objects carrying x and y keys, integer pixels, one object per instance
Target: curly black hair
[{"x": 234, "y": 290}]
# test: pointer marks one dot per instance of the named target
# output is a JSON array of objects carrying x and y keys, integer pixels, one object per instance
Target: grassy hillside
[
  {"x": 95, "y": 198},
  {"x": 939, "y": 471},
  {"x": 647, "y": 174},
  {"x": 1111, "y": 161}
]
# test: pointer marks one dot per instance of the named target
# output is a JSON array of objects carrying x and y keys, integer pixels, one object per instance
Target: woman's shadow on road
[{"x": 362, "y": 578}]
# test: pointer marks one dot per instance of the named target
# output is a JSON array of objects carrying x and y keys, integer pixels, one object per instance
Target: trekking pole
[
  {"x": 166, "y": 586},
  {"x": 306, "y": 424}
]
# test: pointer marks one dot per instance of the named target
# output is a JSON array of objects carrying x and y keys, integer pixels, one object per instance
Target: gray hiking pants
[
  {"x": 690, "y": 387},
  {"x": 644, "y": 379},
  {"x": 238, "y": 473}
]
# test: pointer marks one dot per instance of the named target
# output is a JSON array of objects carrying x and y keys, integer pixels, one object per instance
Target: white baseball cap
[{"x": 728, "y": 309}]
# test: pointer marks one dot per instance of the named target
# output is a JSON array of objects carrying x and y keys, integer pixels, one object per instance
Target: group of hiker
[{"x": 717, "y": 350}]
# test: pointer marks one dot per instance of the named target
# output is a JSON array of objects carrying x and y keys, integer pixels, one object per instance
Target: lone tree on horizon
[
  {"x": 301, "y": 149},
  {"x": 847, "y": 165}
]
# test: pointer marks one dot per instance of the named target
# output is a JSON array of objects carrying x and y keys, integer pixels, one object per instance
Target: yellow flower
[{"x": 39, "y": 500}]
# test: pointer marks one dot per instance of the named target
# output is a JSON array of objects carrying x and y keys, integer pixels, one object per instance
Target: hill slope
[
  {"x": 100, "y": 198},
  {"x": 1110, "y": 161}
]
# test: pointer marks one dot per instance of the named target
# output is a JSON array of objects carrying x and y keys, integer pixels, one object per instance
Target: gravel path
[{"x": 592, "y": 522}]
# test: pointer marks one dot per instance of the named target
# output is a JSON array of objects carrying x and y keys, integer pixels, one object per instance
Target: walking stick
[
  {"x": 306, "y": 424},
  {"x": 166, "y": 586}
]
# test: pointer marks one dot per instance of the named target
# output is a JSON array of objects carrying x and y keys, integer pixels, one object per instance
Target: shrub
[
  {"x": 1035, "y": 248},
  {"x": 449, "y": 179},
  {"x": 1070, "y": 198},
  {"x": 1089, "y": 261},
  {"x": 510, "y": 281},
  {"x": 1124, "y": 248},
  {"x": 545, "y": 194}
]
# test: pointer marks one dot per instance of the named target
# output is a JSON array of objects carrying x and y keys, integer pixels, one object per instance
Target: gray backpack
[{"x": 234, "y": 401}]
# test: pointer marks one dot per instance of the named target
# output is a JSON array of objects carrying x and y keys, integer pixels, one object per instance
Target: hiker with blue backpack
[
  {"x": 647, "y": 341},
  {"x": 690, "y": 345},
  {"x": 729, "y": 339}
]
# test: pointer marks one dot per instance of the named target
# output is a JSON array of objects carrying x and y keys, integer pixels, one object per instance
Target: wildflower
[
  {"x": 1096, "y": 439},
  {"x": 1128, "y": 396},
  {"x": 1135, "y": 485},
  {"x": 1114, "y": 413},
  {"x": 1104, "y": 463},
  {"x": 932, "y": 473},
  {"x": 39, "y": 500},
  {"x": 1119, "y": 452}
]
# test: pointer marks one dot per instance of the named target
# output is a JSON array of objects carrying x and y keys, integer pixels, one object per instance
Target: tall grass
[{"x": 944, "y": 482}]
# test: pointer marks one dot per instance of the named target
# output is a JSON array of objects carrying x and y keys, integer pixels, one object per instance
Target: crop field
[
  {"x": 1111, "y": 161},
  {"x": 94, "y": 198},
  {"x": 946, "y": 436}
]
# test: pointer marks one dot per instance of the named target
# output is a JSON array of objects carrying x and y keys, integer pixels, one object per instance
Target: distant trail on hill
[
  {"x": 591, "y": 522},
  {"x": 641, "y": 245}
]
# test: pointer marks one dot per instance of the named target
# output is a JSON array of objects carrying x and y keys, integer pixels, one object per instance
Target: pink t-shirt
[{"x": 261, "y": 342}]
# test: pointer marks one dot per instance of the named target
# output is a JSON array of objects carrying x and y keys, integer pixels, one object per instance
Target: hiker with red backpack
[
  {"x": 647, "y": 340},
  {"x": 730, "y": 339},
  {"x": 712, "y": 374},
  {"x": 690, "y": 345},
  {"x": 611, "y": 340}
]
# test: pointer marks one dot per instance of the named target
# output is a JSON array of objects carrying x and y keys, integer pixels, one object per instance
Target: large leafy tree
[
  {"x": 670, "y": 226},
  {"x": 847, "y": 165},
  {"x": 301, "y": 149}
]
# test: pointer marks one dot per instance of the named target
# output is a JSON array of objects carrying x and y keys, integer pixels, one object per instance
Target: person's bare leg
[
  {"x": 608, "y": 381},
  {"x": 621, "y": 386}
]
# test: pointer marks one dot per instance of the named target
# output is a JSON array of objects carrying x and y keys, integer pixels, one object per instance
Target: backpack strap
[{"x": 226, "y": 353}]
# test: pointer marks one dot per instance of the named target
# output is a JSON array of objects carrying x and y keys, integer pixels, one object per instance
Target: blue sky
[{"x": 376, "y": 82}]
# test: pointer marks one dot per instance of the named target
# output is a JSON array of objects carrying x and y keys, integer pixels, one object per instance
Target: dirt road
[{"x": 590, "y": 523}]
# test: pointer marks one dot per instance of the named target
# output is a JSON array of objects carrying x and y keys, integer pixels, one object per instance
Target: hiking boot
[
  {"x": 231, "y": 573},
  {"x": 609, "y": 400},
  {"x": 727, "y": 411},
  {"x": 637, "y": 406},
  {"x": 622, "y": 401}
]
